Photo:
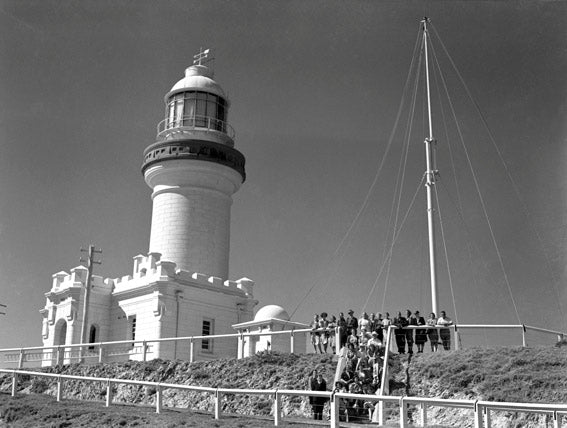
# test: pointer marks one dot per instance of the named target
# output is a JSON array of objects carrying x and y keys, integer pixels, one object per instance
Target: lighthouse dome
[
  {"x": 197, "y": 78},
  {"x": 271, "y": 311}
]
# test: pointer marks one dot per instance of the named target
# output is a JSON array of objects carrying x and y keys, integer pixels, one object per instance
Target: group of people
[
  {"x": 330, "y": 332},
  {"x": 365, "y": 348}
]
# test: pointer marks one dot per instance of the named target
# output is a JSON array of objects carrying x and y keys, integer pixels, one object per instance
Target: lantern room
[{"x": 197, "y": 105}]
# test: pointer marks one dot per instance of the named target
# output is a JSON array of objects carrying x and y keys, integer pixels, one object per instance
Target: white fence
[
  {"x": 142, "y": 350},
  {"x": 480, "y": 410}
]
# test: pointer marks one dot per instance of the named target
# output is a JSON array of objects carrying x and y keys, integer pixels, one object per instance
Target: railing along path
[
  {"x": 481, "y": 410},
  {"x": 142, "y": 349}
]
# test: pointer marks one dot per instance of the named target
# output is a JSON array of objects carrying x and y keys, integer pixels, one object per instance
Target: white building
[
  {"x": 269, "y": 320},
  {"x": 181, "y": 288}
]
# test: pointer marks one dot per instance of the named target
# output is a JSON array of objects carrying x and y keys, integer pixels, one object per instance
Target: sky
[{"x": 315, "y": 88}]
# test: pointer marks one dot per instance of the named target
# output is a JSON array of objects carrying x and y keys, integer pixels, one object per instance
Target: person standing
[
  {"x": 445, "y": 333},
  {"x": 343, "y": 331},
  {"x": 364, "y": 324},
  {"x": 323, "y": 324},
  {"x": 351, "y": 321},
  {"x": 317, "y": 403},
  {"x": 412, "y": 321},
  {"x": 378, "y": 328},
  {"x": 332, "y": 333},
  {"x": 315, "y": 334},
  {"x": 386, "y": 322},
  {"x": 432, "y": 333},
  {"x": 400, "y": 322},
  {"x": 420, "y": 334}
]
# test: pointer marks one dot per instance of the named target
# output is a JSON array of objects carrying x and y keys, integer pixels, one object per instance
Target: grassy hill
[{"x": 506, "y": 374}]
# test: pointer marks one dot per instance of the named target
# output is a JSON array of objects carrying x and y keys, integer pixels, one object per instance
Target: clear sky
[{"x": 315, "y": 87}]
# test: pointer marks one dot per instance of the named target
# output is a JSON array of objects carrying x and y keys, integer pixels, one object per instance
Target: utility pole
[
  {"x": 3, "y": 306},
  {"x": 90, "y": 262}
]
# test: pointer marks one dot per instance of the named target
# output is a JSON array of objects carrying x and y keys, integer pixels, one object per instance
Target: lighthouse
[
  {"x": 180, "y": 288},
  {"x": 193, "y": 170}
]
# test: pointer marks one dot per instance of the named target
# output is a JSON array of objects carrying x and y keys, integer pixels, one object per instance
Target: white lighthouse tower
[
  {"x": 193, "y": 170},
  {"x": 181, "y": 287}
]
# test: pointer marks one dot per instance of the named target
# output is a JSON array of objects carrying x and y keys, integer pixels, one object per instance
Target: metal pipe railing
[{"x": 481, "y": 409}]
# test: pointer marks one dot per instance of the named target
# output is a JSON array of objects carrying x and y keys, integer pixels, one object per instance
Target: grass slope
[{"x": 506, "y": 374}]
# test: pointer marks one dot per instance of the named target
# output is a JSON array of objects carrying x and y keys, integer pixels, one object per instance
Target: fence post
[
  {"x": 556, "y": 420},
  {"x": 14, "y": 383},
  {"x": 59, "y": 388},
  {"x": 478, "y": 413},
  {"x": 335, "y": 411},
  {"x": 385, "y": 382},
  {"x": 100, "y": 352},
  {"x": 423, "y": 414},
  {"x": 21, "y": 360},
  {"x": 292, "y": 342},
  {"x": 524, "y": 344},
  {"x": 380, "y": 412},
  {"x": 58, "y": 355},
  {"x": 457, "y": 338},
  {"x": 145, "y": 350},
  {"x": 217, "y": 404},
  {"x": 277, "y": 409},
  {"x": 158, "y": 398},
  {"x": 486, "y": 412},
  {"x": 403, "y": 414},
  {"x": 191, "y": 350},
  {"x": 108, "y": 393}
]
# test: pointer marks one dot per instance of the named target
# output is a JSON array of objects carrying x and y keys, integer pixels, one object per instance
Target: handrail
[
  {"x": 143, "y": 347},
  {"x": 481, "y": 408},
  {"x": 192, "y": 122}
]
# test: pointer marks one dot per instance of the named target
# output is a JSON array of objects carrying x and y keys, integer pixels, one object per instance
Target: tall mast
[{"x": 430, "y": 181}]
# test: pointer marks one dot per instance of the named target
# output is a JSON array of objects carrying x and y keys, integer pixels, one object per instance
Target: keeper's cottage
[{"x": 181, "y": 287}]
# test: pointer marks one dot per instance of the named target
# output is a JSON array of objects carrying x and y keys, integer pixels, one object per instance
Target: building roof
[
  {"x": 271, "y": 312},
  {"x": 197, "y": 78}
]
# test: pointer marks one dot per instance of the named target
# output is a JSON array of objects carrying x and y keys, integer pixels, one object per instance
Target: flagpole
[{"x": 430, "y": 182}]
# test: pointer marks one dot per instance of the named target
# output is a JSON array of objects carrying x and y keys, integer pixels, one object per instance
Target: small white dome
[
  {"x": 197, "y": 78},
  {"x": 271, "y": 311}
]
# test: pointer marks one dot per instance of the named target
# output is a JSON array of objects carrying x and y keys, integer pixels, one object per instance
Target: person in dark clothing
[
  {"x": 400, "y": 322},
  {"x": 317, "y": 403},
  {"x": 351, "y": 322},
  {"x": 343, "y": 330},
  {"x": 420, "y": 334},
  {"x": 412, "y": 321}
]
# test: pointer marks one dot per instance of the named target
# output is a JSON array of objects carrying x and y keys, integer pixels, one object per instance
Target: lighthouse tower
[
  {"x": 193, "y": 170},
  {"x": 181, "y": 287}
]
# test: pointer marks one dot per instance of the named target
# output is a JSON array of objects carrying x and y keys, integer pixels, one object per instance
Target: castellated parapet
[{"x": 156, "y": 301}]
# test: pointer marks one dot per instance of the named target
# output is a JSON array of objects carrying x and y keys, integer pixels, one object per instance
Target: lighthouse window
[
  {"x": 194, "y": 108},
  {"x": 208, "y": 327}
]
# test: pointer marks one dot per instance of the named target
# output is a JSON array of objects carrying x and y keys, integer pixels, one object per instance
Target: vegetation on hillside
[
  {"x": 502, "y": 374},
  {"x": 505, "y": 374}
]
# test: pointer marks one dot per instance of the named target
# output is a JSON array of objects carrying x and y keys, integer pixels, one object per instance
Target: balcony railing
[{"x": 171, "y": 127}]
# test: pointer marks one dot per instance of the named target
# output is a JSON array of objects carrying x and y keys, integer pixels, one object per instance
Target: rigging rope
[
  {"x": 396, "y": 235},
  {"x": 477, "y": 187},
  {"x": 402, "y": 172},
  {"x": 446, "y": 253},
  {"x": 527, "y": 213},
  {"x": 370, "y": 190}
]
